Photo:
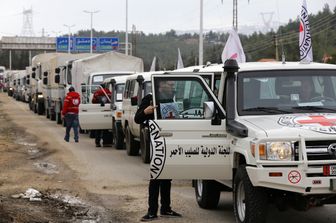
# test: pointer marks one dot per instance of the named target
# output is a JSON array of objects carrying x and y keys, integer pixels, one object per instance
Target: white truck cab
[{"x": 265, "y": 140}]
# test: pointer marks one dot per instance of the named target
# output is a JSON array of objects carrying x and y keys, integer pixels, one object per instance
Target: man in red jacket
[{"x": 70, "y": 113}]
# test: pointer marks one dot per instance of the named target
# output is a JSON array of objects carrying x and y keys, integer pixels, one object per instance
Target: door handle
[
  {"x": 166, "y": 134},
  {"x": 215, "y": 135}
]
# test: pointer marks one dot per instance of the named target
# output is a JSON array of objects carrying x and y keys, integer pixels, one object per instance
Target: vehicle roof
[
  {"x": 146, "y": 75},
  {"x": 118, "y": 79},
  {"x": 113, "y": 72},
  {"x": 253, "y": 66}
]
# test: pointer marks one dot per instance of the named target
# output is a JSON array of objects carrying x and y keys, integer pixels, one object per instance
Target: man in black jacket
[{"x": 144, "y": 113}]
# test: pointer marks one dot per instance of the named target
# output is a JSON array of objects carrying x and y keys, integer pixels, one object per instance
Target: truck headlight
[
  {"x": 282, "y": 151},
  {"x": 279, "y": 151}
]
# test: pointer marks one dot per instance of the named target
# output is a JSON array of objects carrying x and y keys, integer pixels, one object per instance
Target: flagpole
[{"x": 201, "y": 35}]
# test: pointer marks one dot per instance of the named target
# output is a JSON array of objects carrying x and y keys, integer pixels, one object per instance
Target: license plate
[{"x": 332, "y": 170}]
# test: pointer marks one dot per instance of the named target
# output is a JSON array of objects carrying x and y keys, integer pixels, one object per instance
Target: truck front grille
[{"x": 318, "y": 150}]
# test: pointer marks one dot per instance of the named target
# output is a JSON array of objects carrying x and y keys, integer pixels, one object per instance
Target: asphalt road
[{"x": 123, "y": 180}]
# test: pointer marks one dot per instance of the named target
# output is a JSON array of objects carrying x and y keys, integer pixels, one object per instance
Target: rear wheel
[
  {"x": 132, "y": 147},
  {"x": 249, "y": 202},
  {"x": 207, "y": 193}
]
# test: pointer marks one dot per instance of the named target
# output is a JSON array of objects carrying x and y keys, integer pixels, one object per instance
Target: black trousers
[{"x": 156, "y": 187}]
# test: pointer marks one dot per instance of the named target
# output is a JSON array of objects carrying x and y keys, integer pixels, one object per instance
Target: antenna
[{"x": 27, "y": 28}]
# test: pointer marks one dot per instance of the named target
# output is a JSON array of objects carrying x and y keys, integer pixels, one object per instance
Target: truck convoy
[{"x": 266, "y": 139}]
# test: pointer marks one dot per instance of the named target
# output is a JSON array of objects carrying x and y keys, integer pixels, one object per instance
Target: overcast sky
[{"x": 149, "y": 16}]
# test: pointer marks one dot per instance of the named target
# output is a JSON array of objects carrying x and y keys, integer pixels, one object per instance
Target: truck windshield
[
  {"x": 99, "y": 79},
  {"x": 287, "y": 91}
]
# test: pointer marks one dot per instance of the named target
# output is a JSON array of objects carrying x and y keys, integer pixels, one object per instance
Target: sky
[{"x": 149, "y": 16}]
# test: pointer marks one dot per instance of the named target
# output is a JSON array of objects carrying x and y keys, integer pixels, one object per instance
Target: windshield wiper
[
  {"x": 266, "y": 109},
  {"x": 314, "y": 108}
]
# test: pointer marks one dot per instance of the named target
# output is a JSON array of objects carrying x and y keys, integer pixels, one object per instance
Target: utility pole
[
  {"x": 126, "y": 33},
  {"x": 276, "y": 44},
  {"x": 134, "y": 36},
  {"x": 69, "y": 36},
  {"x": 91, "y": 36},
  {"x": 235, "y": 15},
  {"x": 200, "y": 59}
]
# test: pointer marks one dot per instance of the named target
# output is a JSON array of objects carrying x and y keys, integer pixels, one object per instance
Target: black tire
[
  {"x": 118, "y": 136},
  {"x": 249, "y": 202},
  {"x": 132, "y": 147},
  {"x": 207, "y": 193},
  {"x": 58, "y": 118},
  {"x": 144, "y": 145},
  {"x": 40, "y": 108}
]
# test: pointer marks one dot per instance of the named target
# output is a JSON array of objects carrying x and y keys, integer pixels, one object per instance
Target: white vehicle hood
[{"x": 294, "y": 125}]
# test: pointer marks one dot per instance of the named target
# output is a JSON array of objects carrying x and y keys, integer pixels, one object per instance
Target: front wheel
[
  {"x": 250, "y": 203},
  {"x": 118, "y": 136},
  {"x": 132, "y": 147},
  {"x": 207, "y": 193}
]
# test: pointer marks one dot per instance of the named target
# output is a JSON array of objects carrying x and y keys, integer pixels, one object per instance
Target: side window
[{"x": 180, "y": 98}]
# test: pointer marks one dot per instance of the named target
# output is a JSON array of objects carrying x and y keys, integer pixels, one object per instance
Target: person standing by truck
[
  {"x": 144, "y": 113},
  {"x": 70, "y": 113},
  {"x": 102, "y": 95}
]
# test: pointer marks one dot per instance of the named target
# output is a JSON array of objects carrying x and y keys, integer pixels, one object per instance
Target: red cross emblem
[
  {"x": 294, "y": 177},
  {"x": 318, "y": 119}
]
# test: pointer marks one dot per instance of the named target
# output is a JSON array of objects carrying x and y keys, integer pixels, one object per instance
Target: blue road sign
[
  {"x": 82, "y": 44},
  {"x": 108, "y": 43}
]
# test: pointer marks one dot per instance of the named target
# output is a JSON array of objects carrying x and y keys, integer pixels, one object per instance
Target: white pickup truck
[{"x": 268, "y": 140}]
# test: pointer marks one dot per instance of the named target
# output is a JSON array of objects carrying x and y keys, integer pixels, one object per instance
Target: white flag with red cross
[
  {"x": 306, "y": 49},
  {"x": 233, "y": 48}
]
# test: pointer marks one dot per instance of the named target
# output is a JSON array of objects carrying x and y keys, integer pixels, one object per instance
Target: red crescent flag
[
  {"x": 233, "y": 48},
  {"x": 306, "y": 50}
]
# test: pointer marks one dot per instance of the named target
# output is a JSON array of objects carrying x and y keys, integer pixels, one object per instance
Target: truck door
[
  {"x": 94, "y": 116},
  {"x": 185, "y": 144}
]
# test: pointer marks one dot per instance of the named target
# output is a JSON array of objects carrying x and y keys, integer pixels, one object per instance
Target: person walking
[
  {"x": 102, "y": 95},
  {"x": 144, "y": 113},
  {"x": 70, "y": 113}
]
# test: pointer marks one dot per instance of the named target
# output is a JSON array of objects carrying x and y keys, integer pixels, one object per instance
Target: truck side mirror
[
  {"x": 33, "y": 75},
  {"x": 57, "y": 70},
  {"x": 134, "y": 100},
  {"x": 57, "y": 78},
  {"x": 209, "y": 109},
  {"x": 45, "y": 81}
]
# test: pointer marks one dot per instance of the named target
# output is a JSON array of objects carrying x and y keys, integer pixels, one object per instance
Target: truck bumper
[{"x": 294, "y": 179}]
